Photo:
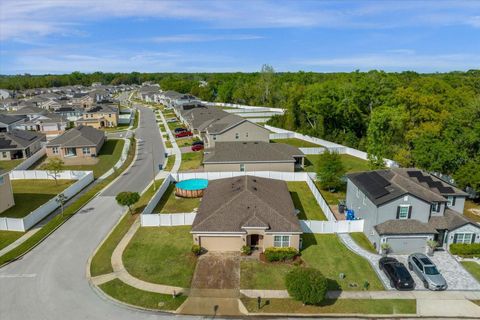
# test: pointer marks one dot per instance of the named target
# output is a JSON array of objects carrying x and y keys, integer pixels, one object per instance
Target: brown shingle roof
[
  {"x": 232, "y": 204},
  {"x": 407, "y": 226},
  {"x": 451, "y": 220}
]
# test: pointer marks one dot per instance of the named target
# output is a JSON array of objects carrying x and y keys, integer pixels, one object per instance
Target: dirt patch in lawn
[{"x": 217, "y": 271}]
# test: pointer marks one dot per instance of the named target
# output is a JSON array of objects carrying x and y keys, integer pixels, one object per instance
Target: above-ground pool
[{"x": 191, "y": 188}]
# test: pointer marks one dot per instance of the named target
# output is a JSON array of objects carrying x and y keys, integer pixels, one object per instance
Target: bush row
[
  {"x": 465, "y": 250},
  {"x": 280, "y": 254}
]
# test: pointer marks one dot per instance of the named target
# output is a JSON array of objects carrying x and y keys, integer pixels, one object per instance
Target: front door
[
  {"x": 254, "y": 239},
  {"x": 440, "y": 238}
]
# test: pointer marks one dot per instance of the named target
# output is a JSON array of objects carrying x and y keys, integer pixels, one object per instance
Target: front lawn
[
  {"x": 327, "y": 253},
  {"x": 161, "y": 255},
  {"x": 472, "y": 267},
  {"x": 296, "y": 143},
  {"x": 304, "y": 201},
  {"x": 174, "y": 125},
  {"x": 361, "y": 239},
  {"x": 351, "y": 163},
  {"x": 170, "y": 163},
  {"x": 185, "y": 142},
  {"x": 191, "y": 160},
  {"x": 151, "y": 300},
  {"x": 8, "y": 237},
  {"x": 8, "y": 165},
  {"x": 31, "y": 194},
  {"x": 169, "y": 203},
  {"x": 350, "y": 306},
  {"x": 255, "y": 274}
]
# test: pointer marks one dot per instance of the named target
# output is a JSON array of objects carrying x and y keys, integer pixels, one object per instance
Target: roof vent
[{"x": 255, "y": 188}]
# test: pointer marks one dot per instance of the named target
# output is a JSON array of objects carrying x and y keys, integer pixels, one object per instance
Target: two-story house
[
  {"x": 407, "y": 207},
  {"x": 100, "y": 116}
]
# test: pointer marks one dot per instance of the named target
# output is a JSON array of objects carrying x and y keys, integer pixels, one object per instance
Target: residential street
[{"x": 49, "y": 282}]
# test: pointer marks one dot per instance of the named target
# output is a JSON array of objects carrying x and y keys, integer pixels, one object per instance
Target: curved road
[{"x": 49, "y": 282}]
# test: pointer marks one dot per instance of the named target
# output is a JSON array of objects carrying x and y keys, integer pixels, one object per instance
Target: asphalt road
[{"x": 50, "y": 281}]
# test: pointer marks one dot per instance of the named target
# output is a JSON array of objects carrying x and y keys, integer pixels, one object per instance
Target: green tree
[
  {"x": 54, "y": 166},
  {"x": 468, "y": 175},
  {"x": 330, "y": 170},
  {"x": 307, "y": 285},
  {"x": 127, "y": 199}
]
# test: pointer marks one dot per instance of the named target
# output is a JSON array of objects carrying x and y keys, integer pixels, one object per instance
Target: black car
[
  {"x": 197, "y": 142},
  {"x": 396, "y": 272},
  {"x": 178, "y": 130}
]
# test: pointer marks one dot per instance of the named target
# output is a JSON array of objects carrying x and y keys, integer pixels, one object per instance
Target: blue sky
[{"x": 61, "y": 36}]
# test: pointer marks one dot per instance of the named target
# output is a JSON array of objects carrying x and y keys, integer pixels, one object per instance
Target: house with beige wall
[
  {"x": 6, "y": 192},
  {"x": 77, "y": 146},
  {"x": 100, "y": 116},
  {"x": 247, "y": 210}
]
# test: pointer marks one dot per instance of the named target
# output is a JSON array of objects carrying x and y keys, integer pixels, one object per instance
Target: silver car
[{"x": 427, "y": 271}]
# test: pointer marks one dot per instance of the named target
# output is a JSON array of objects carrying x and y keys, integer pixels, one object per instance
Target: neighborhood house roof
[
  {"x": 252, "y": 151},
  {"x": 6, "y": 119},
  {"x": 81, "y": 136},
  {"x": 451, "y": 220},
  {"x": 18, "y": 139},
  {"x": 239, "y": 203},
  {"x": 407, "y": 226}
]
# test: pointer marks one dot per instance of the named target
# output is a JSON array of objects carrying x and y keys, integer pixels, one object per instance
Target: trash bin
[{"x": 341, "y": 206}]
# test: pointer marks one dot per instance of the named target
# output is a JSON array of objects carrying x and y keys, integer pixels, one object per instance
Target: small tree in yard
[
  {"x": 307, "y": 285},
  {"x": 53, "y": 167},
  {"x": 330, "y": 170},
  {"x": 127, "y": 199},
  {"x": 61, "y": 200}
]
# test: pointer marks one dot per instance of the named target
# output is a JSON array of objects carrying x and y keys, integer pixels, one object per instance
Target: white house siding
[
  {"x": 468, "y": 228},
  {"x": 459, "y": 204},
  {"x": 247, "y": 131}
]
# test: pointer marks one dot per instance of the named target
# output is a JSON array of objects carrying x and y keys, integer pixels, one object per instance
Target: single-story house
[
  {"x": 246, "y": 211},
  {"x": 19, "y": 144},
  {"x": 252, "y": 156},
  {"x": 6, "y": 192},
  {"x": 9, "y": 122},
  {"x": 406, "y": 207},
  {"x": 79, "y": 145}
]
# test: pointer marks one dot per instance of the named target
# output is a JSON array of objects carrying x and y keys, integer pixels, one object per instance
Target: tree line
[{"x": 430, "y": 121}]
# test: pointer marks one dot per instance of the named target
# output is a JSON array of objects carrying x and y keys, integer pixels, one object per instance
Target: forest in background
[{"x": 431, "y": 121}]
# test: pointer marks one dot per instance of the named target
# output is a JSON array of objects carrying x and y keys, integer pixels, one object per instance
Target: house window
[
  {"x": 242, "y": 167},
  {"x": 4, "y": 154},
  {"x": 86, "y": 151},
  {"x": 214, "y": 137},
  {"x": 451, "y": 201},
  {"x": 403, "y": 212},
  {"x": 281, "y": 241},
  {"x": 237, "y": 136},
  {"x": 55, "y": 150},
  {"x": 435, "y": 207},
  {"x": 463, "y": 238},
  {"x": 246, "y": 135}
]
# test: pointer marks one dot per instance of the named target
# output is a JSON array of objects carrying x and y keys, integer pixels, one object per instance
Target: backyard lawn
[
  {"x": 8, "y": 165},
  {"x": 31, "y": 194},
  {"x": 361, "y": 239},
  {"x": 297, "y": 143},
  {"x": 332, "y": 198},
  {"x": 8, "y": 237},
  {"x": 304, "y": 201},
  {"x": 327, "y": 253},
  {"x": 151, "y": 300},
  {"x": 191, "y": 160},
  {"x": 472, "y": 210},
  {"x": 161, "y": 255},
  {"x": 350, "y": 306},
  {"x": 108, "y": 156},
  {"x": 261, "y": 275},
  {"x": 472, "y": 267},
  {"x": 351, "y": 164},
  {"x": 169, "y": 203}
]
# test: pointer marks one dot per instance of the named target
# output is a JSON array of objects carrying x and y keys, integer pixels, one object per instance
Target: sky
[{"x": 62, "y": 36}]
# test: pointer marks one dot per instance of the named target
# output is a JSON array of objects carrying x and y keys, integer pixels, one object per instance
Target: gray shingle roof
[
  {"x": 251, "y": 151},
  {"x": 18, "y": 139},
  {"x": 81, "y": 136},
  {"x": 451, "y": 220},
  {"x": 233, "y": 204},
  {"x": 8, "y": 119},
  {"x": 407, "y": 226}
]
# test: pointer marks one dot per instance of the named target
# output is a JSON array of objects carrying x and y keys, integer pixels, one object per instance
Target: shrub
[
  {"x": 307, "y": 285},
  {"x": 246, "y": 250},
  {"x": 465, "y": 250},
  {"x": 196, "y": 249},
  {"x": 280, "y": 254}
]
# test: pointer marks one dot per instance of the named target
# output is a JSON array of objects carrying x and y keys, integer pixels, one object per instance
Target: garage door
[
  {"x": 221, "y": 243},
  {"x": 407, "y": 245}
]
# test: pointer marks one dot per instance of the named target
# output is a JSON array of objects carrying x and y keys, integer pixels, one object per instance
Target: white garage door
[
  {"x": 212, "y": 243},
  {"x": 407, "y": 245}
]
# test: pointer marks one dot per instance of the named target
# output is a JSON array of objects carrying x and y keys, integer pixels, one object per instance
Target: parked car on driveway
[
  {"x": 197, "y": 147},
  {"x": 197, "y": 142},
  {"x": 184, "y": 134},
  {"x": 427, "y": 271},
  {"x": 396, "y": 272},
  {"x": 178, "y": 130}
]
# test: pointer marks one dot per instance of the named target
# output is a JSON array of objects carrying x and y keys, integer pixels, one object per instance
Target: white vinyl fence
[
  {"x": 167, "y": 219},
  {"x": 344, "y": 226},
  {"x": 30, "y": 161},
  {"x": 83, "y": 178},
  {"x": 241, "y": 106},
  {"x": 286, "y": 134}
]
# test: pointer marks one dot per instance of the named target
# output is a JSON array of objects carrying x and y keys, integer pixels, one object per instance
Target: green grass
[
  {"x": 119, "y": 127},
  {"x": 297, "y": 143},
  {"x": 346, "y": 306},
  {"x": 72, "y": 209},
  {"x": 351, "y": 164},
  {"x": 169, "y": 203},
  {"x": 472, "y": 267},
  {"x": 151, "y": 300},
  {"x": 173, "y": 125},
  {"x": 136, "y": 119},
  {"x": 467, "y": 210},
  {"x": 168, "y": 144},
  {"x": 31, "y": 194},
  {"x": 327, "y": 253},
  {"x": 255, "y": 274},
  {"x": 8, "y": 165},
  {"x": 332, "y": 198},
  {"x": 108, "y": 156},
  {"x": 161, "y": 255},
  {"x": 304, "y": 201},
  {"x": 361, "y": 239},
  {"x": 185, "y": 142},
  {"x": 101, "y": 262},
  {"x": 170, "y": 163},
  {"x": 8, "y": 237},
  {"x": 191, "y": 160}
]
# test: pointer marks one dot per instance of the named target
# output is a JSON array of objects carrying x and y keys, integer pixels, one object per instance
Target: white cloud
[{"x": 205, "y": 38}]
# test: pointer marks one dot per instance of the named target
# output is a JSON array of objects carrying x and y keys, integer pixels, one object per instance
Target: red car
[
  {"x": 184, "y": 134},
  {"x": 197, "y": 147}
]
